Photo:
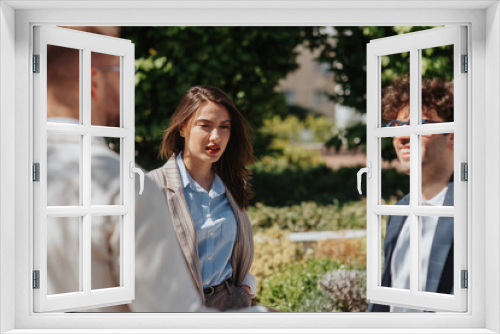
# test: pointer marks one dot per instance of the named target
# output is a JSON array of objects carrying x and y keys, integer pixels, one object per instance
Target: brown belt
[{"x": 216, "y": 288}]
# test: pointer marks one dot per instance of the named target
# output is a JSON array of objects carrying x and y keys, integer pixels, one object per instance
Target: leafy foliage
[
  {"x": 289, "y": 131},
  {"x": 309, "y": 216},
  {"x": 344, "y": 49},
  {"x": 350, "y": 252},
  {"x": 296, "y": 289},
  {"x": 273, "y": 250},
  {"x": 246, "y": 62},
  {"x": 284, "y": 181},
  {"x": 353, "y": 137}
]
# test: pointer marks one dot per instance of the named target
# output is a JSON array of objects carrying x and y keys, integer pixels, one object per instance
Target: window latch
[
  {"x": 368, "y": 171},
  {"x": 133, "y": 170}
]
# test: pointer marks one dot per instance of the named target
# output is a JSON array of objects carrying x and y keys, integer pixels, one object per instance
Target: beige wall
[{"x": 307, "y": 80}]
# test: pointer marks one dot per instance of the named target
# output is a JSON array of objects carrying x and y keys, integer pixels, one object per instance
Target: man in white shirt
[
  {"x": 437, "y": 189},
  {"x": 162, "y": 280}
]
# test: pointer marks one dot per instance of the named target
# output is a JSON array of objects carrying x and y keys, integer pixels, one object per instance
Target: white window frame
[
  {"x": 85, "y": 297},
  {"x": 483, "y": 20},
  {"x": 413, "y": 43}
]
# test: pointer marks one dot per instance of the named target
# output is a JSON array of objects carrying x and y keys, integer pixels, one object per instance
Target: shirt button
[
  {"x": 209, "y": 257},
  {"x": 208, "y": 215},
  {"x": 211, "y": 233},
  {"x": 206, "y": 282}
]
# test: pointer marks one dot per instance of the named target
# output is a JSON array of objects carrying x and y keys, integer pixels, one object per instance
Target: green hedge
[
  {"x": 296, "y": 288},
  {"x": 309, "y": 216},
  {"x": 282, "y": 185}
]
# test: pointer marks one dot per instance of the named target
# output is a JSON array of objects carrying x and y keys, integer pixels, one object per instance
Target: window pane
[
  {"x": 395, "y": 70},
  {"x": 395, "y": 178},
  {"x": 436, "y": 254},
  {"x": 105, "y": 90},
  {"x": 437, "y": 84},
  {"x": 106, "y": 172},
  {"x": 63, "y": 254},
  {"x": 395, "y": 252},
  {"x": 63, "y": 85},
  {"x": 63, "y": 169},
  {"x": 437, "y": 169},
  {"x": 106, "y": 250}
]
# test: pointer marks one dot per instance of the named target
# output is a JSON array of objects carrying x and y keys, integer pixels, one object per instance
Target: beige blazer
[{"x": 168, "y": 179}]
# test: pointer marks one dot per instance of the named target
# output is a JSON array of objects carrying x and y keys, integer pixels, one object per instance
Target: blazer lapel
[
  {"x": 441, "y": 245},
  {"x": 182, "y": 220},
  {"x": 242, "y": 256}
]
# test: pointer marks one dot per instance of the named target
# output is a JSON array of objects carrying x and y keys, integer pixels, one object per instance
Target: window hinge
[
  {"x": 464, "y": 171},
  {"x": 36, "y": 279},
  {"x": 465, "y": 64},
  {"x": 465, "y": 279},
  {"x": 36, "y": 63},
  {"x": 36, "y": 172}
]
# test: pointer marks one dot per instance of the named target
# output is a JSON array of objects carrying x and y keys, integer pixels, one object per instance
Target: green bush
[
  {"x": 291, "y": 128},
  {"x": 273, "y": 250},
  {"x": 296, "y": 288},
  {"x": 309, "y": 216}
]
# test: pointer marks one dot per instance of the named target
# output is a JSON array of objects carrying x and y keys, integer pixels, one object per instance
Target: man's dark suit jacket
[{"x": 440, "y": 272}]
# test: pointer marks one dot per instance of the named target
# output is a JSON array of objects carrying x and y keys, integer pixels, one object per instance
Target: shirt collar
[
  {"x": 217, "y": 188},
  {"x": 437, "y": 200}
]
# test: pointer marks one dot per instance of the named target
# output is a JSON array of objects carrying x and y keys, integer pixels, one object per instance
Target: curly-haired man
[{"x": 437, "y": 189}]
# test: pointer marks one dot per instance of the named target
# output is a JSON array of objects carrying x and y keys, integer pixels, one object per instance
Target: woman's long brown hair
[{"x": 232, "y": 166}]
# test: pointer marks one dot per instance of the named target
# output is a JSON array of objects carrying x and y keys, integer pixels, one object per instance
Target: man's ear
[
  {"x": 95, "y": 76},
  {"x": 451, "y": 141}
]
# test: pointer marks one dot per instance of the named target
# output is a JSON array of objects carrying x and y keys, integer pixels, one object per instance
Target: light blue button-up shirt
[{"x": 215, "y": 226}]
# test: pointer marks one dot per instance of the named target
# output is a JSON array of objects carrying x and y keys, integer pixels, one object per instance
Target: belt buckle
[{"x": 212, "y": 291}]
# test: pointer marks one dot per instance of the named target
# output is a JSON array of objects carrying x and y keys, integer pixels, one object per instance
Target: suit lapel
[
  {"x": 441, "y": 245},
  {"x": 242, "y": 256},
  {"x": 239, "y": 236},
  {"x": 182, "y": 220}
]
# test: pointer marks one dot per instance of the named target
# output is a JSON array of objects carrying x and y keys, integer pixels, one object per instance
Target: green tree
[
  {"x": 344, "y": 49},
  {"x": 246, "y": 62}
]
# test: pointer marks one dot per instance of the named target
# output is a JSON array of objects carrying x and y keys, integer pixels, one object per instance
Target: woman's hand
[{"x": 247, "y": 289}]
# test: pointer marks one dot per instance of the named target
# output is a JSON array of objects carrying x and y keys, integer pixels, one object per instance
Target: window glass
[
  {"x": 63, "y": 74},
  {"x": 436, "y": 254},
  {"x": 63, "y": 254},
  {"x": 63, "y": 170},
  {"x": 394, "y": 67},
  {"x": 437, "y": 169},
  {"x": 395, "y": 176},
  {"x": 105, "y": 171},
  {"x": 106, "y": 245},
  {"x": 107, "y": 96}
]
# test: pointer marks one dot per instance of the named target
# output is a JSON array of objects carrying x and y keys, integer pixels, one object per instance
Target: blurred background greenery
[{"x": 296, "y": 187}]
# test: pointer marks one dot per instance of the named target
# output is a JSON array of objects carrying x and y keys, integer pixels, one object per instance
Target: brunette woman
[{"x": 206, "y": 184}]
